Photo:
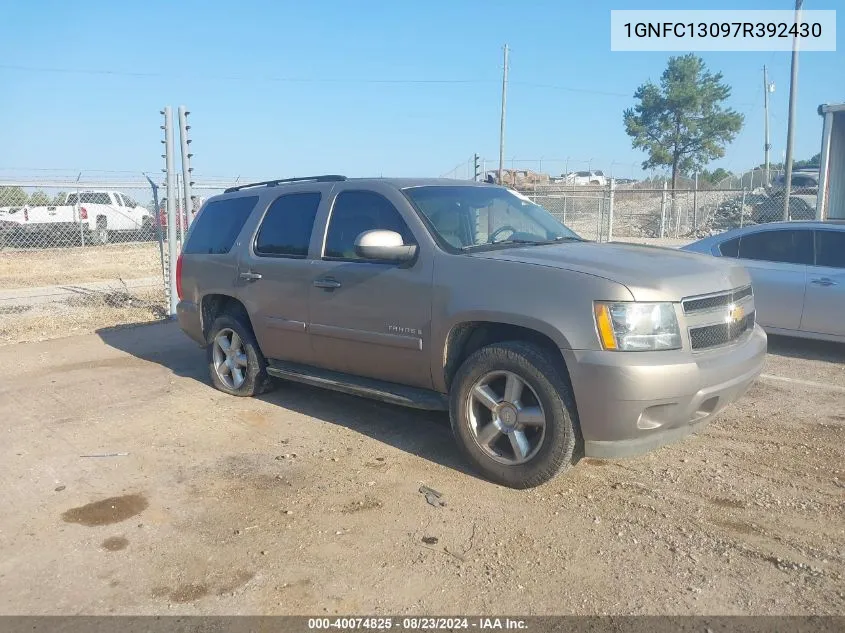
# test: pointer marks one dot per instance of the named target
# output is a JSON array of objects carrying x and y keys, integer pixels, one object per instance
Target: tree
[
  {"x": 60, "y": 198},
  {"x": 813, "y": 162},
  {"x": 39, "y": 199},
  {"x": 681, "y": 123},
  {"x": 716, "y": 176},
  {"x": 12, "y": 197}
]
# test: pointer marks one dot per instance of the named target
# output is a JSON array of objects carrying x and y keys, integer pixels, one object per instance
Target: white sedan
[{"x": 797, "y": 271}]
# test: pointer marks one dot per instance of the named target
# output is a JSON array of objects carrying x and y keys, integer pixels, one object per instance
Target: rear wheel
[
  {"x": 513, "y": 414},
  {"x": 148, "y": 231},
  {"x": 101, "y": 232},
  {"x": 235, "y": 362}
]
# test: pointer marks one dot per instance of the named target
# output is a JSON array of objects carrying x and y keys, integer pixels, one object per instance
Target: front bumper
[{"x": 632, "y": 402}]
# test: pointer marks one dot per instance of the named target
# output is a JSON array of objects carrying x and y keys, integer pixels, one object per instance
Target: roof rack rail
[{"x": 281, "y": 181}]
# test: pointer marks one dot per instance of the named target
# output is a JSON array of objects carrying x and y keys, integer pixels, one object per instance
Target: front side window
[
  {"x": 782, "y": 246},
  {"x": 287, "y": 225},
  {"x": 355, "y": 212},
  {"x": 830, "y": 249},
  {"x": 469, "y": 218}
]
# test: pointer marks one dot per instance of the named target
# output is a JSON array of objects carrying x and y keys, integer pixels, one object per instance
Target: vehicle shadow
[
  {"x": 807, "y": 349},
  {"x": 425, "y": 434}
]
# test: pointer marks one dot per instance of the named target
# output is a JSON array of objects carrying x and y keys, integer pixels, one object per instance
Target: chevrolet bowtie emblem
[{"x": 735, "y": 314}]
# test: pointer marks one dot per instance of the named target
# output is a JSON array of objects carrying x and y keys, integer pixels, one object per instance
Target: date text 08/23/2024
[{"x": 416, "y": 624}]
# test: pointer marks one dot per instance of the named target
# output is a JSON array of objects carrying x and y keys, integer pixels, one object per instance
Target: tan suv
[{"x": 471, "y": 298}]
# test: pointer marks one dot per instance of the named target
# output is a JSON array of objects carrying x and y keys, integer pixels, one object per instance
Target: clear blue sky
[{"x": 227, "y": 62}]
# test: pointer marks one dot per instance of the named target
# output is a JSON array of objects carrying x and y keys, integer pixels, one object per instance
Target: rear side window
[
  {"x": 830, "y": 249},
  {"x": 286, "y": 228},
  {"x": 215, "y": 230},
  {"x": 786, "y": 247},
  {"x": 92, "y": 197},
  {"x": 730, "y": 248}
]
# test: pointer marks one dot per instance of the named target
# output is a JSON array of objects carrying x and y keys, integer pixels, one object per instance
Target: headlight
[{"x": 635, "y": 326}]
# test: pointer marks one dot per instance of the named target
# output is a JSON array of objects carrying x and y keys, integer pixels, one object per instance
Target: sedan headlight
[{"x": 632, "y": 326}]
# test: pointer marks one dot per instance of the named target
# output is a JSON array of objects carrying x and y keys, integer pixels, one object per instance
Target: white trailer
[{"x": 830, "y": 201}]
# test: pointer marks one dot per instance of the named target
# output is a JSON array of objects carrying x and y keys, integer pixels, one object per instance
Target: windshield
[{"x": 475, "y": 217}]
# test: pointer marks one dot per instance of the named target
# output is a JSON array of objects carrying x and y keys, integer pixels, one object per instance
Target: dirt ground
[
  {"x": 78, "y": 312},
  {"x": 306, "y": 501},
  {"x": 58, "y": 266}
]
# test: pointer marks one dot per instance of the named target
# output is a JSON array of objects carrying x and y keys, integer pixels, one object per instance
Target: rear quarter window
[
  {"x": 729, "y": 248},
  {"x": 218, "y": 225}
]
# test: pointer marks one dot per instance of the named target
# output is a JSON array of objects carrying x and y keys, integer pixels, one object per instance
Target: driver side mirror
[{"x": 384, "y": 246}]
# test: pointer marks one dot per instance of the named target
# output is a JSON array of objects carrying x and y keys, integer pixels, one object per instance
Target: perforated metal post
[
  {"x": 187, "y": 170},
  {"x": 172, "y": 249}
]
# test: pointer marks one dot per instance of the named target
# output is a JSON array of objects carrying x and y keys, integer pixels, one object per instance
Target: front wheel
[{"x": 513, "y": 414}]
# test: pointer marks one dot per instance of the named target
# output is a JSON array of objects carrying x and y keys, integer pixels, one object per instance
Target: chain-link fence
[
  {"x": 76, "y": 256},
  {"x": 79, "y": 255},
  {"x": 662, "y": 216}
]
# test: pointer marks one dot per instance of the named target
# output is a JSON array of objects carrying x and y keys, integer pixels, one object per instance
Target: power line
[
  {"x": 570, "y": 89},
  {"x": 151, "y": 75},
  {"x": 304, "y": 80}
]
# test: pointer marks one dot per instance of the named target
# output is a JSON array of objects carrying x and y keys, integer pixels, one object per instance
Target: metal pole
[
  {"x": 767, "y": 146},
  {"x": 742, "y": 210},
  {"x": 610, "y": 212},
  {"x": 78, "y": 213},
  {"x": 180, "y": 209},
  {"x": 824, "y": 163},
  {"x": 663, "y": 212},
  {"x": 790, "y": 130},
  {"x": 695, "y": 204},
  {"x": 504, "y": 109},
  {"x": 599, "y": 218},
  {"x": 186, "y": 162},
  {"x": 157, "y": 211},
  {"x": 172, "y": 229}
]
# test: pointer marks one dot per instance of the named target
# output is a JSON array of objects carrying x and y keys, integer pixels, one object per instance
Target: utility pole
[
  {"x": 790, "y": 130},
  {"x": 504, "y": 108},
  {"x": 767, "y": 88}
]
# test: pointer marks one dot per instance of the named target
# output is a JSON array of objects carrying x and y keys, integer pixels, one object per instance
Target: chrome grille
[
  {"x": 720, "y": 333},
  {"x": 716, "y": 301}
]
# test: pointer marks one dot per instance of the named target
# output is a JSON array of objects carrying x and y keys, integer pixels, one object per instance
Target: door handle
[
  {"x": 824, "y": 281},
  {"x": 250, "y": 276},
  {"x": 327, "y": 283}
]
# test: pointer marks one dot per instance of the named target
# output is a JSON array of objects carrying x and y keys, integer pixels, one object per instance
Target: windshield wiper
[{"x": 522, "y": 241}]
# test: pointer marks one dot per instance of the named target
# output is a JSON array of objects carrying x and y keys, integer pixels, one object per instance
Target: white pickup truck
[{"x": 96, "y": 215}]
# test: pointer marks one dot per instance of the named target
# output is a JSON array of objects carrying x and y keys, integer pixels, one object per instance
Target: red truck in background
[{"x": 180, "y": 212}]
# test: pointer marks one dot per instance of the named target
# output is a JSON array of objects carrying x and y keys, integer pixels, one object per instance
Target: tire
[
  {"x": 100, "y": 234},
  {"x": 545, "y": 386},
  {"x": 147, "y": 232},
  {"x": 254, "y": 376}
]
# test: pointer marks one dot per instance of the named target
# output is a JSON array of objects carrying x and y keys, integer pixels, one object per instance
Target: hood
[{"x": 651, "y": 273}]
